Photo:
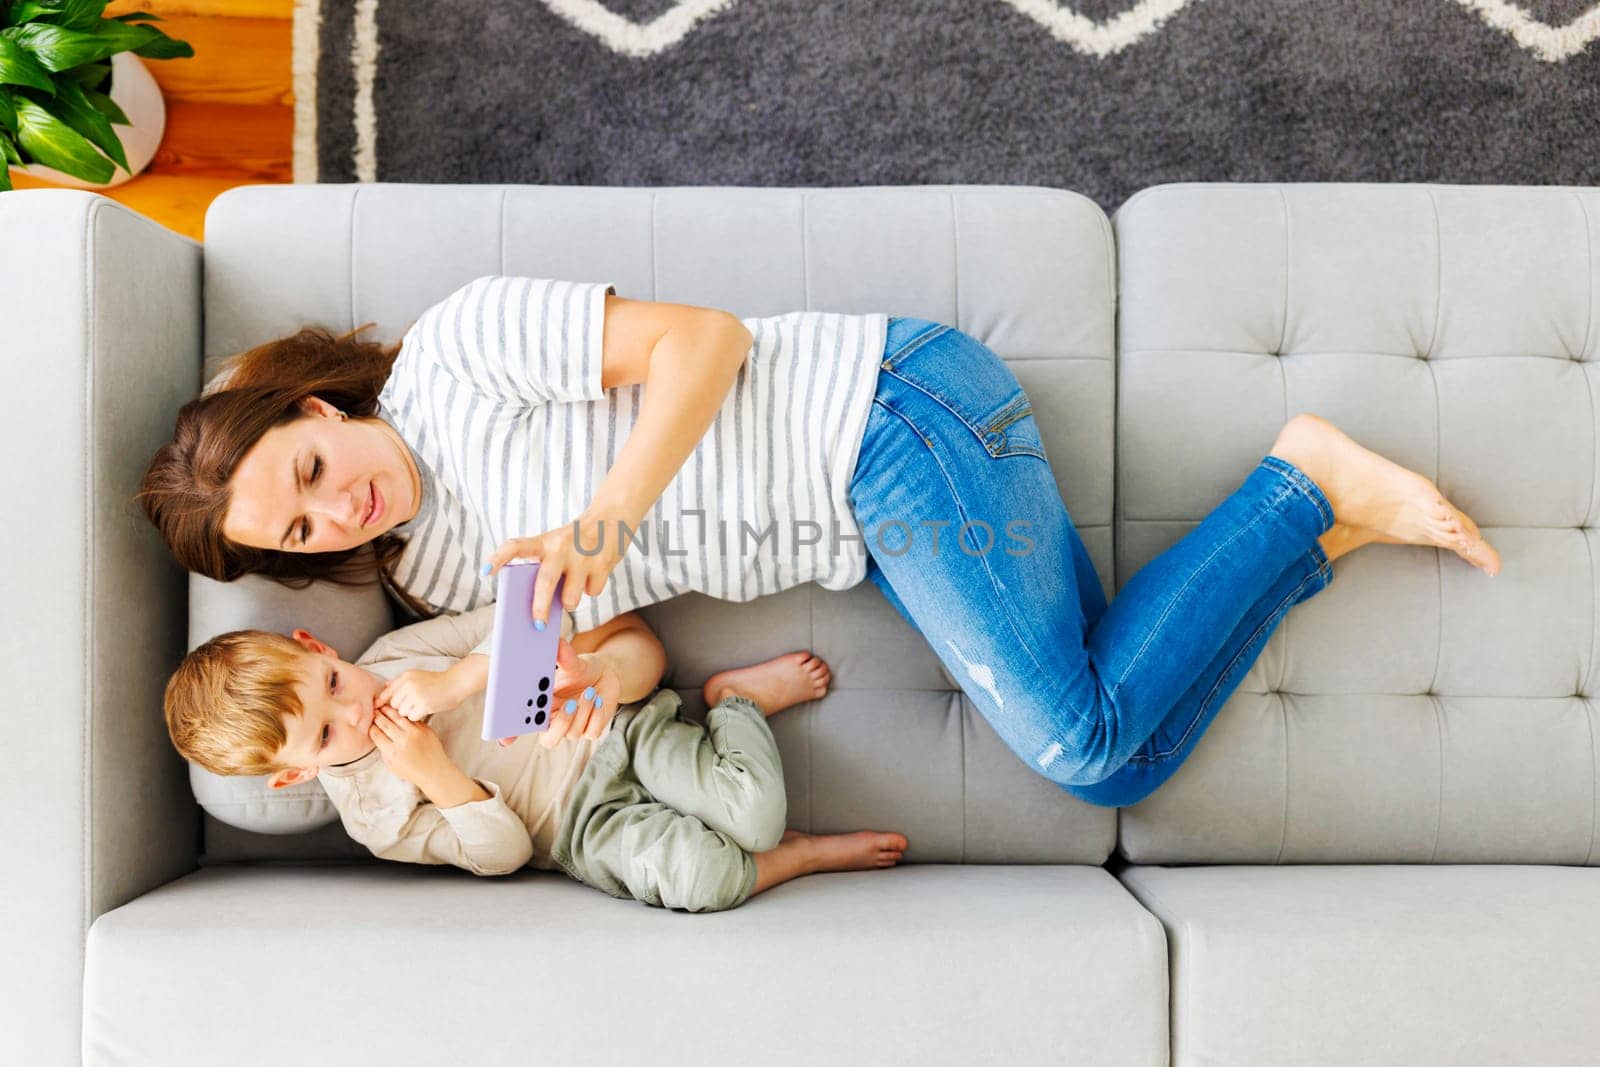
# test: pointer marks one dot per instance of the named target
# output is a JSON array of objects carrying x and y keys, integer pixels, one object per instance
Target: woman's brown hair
[{"x": 185, "y": 490}]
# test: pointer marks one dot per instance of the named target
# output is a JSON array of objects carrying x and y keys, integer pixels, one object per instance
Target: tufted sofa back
[{"x": 1416, "y": 711}]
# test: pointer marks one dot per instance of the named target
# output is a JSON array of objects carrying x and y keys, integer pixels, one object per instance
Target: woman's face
[{"x": 321, "y": 484}]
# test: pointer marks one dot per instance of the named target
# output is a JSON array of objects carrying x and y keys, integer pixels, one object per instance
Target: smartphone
[{"x": 522, "y": 660}]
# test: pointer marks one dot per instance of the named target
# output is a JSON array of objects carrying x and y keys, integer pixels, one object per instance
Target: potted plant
[{"x": 65, "y": 73}]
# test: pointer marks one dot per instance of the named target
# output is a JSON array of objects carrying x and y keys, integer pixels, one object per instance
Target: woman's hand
[
  {"x": 557, "y": 554},
  {"x": 589, "y": 683},
  {"x": 417, "y": 694}
]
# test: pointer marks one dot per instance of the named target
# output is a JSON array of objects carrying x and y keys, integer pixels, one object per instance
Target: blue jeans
[{"x": 967, "y": 536}]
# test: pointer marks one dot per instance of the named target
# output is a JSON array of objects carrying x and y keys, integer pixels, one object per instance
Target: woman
[{"x": 556, "y": 421}]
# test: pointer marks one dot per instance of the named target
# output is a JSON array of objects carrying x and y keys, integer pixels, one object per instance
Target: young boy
[{"x": 653, "y": 808}]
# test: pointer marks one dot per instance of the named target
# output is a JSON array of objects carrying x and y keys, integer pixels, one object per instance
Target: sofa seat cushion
[
  {"x": 399, "y": 964},
  {"x": 1412, "y": 965}
]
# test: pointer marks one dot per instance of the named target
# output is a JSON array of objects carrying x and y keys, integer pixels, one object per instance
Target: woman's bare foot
[
  {"x": 1474, "y": 549},
  {"x": 1368, "y": 491},
  {"x": 863, "y": 850},
  {"x": 1341, "y": 539},
  {"x": 780, "y": 682}
]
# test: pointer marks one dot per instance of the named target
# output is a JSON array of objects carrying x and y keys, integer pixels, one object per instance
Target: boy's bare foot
[
  {"x": 1366, "y": 490},
  {"x": 863, "y": 850},
  {"x": 780, "y": 682},
  {"x": 798, "y": 854}
]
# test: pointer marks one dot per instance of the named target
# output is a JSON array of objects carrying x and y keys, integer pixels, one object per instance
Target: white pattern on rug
[
  {"x": 1552, "y": 44},
  {"x": 1100, "y": 39}
]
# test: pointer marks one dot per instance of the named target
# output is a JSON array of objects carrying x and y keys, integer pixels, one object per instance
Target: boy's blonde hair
[{"x": 226, "y": 702}]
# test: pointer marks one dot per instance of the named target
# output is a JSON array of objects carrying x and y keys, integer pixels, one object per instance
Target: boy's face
[{"x": 337, "y": 709}]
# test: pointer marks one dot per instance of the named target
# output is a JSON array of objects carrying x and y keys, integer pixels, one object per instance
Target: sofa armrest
[{"x": 102, "y": 338}]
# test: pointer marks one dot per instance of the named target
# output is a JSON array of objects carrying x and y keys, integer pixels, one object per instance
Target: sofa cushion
[
  {"x": 916, "y": 964},
  {"x": 1369, "y": 965},
  {"x": 1028, "y": 271},
  {"x": 1416, "y": 710}
]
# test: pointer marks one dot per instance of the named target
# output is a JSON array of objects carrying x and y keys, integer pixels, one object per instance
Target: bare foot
[
  {"x": 778, "y": 683},
  {"x": 863, "y": 850},
  {"x": 1474, "y": 549},
  {"x": 1366, "y": 490},
  {"x": 1341, "y": 539}
]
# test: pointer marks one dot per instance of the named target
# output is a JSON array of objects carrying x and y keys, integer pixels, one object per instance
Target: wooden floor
[{"x": 230, "y": 109}]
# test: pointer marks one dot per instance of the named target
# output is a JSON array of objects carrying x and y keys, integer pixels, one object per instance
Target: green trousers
[{"x": 668, "y": 811}]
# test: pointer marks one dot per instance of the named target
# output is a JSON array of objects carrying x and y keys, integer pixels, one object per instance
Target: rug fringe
[
  {"x": 307, "y": 30},
  {"x": 364, "y": 56}
]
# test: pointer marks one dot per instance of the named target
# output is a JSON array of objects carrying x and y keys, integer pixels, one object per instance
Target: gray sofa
[{"x": 1382, "y": 852}]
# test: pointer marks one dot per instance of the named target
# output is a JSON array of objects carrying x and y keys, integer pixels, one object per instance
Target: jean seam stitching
[
  {"x": 891, "y": 364},
  {"x": 1277, "y": 612},
  {"x": 1017, "y": 408},
  {"x": 1003, "y": 447},
  {"x": 916, "y": 342},
  {"x": 973, "y": 429},
  {"x": 1299, "y": 480},
  {"x": 1011, "y": 625},
  {"x": 1138, "y": 656}
]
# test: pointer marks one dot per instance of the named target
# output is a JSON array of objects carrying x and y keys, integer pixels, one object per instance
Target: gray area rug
[{"x": 1099, "y": 96}]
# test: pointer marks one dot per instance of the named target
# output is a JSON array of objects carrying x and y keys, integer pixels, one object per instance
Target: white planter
[{"x": 135, "y": 91}]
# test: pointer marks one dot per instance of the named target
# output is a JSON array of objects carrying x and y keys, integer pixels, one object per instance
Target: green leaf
[
  {"x": 143, "y": 40},
  {"x": 17, "y": 67},
  {"x": 129, "y": 36},
  {"x": 137, "y": 16},
  {"x": 73, "y": 108},
  {"x": 107, "y": 107},
  {"x": 5, "y": 177},
  {"x": 8, "y": 150},
  {"x": 164, "y": 47},
  {"x": 75, "y": 14},
  {"x": 48, "y": 140},
  {"x": 18, "y": 12},
  {"x": 8, "y": 112},
  {"x": 58, "y": 48},
  {"x": 89, "y": 75}
]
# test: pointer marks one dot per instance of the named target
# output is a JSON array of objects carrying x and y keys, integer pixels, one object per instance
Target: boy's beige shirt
[{"x": 528, "y": 784}]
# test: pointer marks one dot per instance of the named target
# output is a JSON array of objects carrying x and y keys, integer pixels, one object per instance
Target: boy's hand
[
  {"x": 417, "y": 694},
  {"x": 590, "y": 683},
  {"x": 410, "y": 749}
]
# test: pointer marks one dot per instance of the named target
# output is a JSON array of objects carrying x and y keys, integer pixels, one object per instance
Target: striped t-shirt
[{"x": 497, "y": 391}]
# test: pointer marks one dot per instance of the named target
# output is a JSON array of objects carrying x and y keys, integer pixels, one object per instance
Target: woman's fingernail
[
  {"x": 538, "y": 624},
  {"x": 597, "y": 702},
  {"x": 485, "y": 569},
  {"x": 570, "y": 707},
  {"x": 588, "y": 694}
]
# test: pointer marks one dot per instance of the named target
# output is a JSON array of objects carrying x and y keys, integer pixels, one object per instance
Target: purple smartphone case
[{"x": 522, "y": 660}]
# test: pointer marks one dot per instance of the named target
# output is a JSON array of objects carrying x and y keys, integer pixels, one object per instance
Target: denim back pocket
[
  {"x": 1014, "y": 431},
  {"x": 966, "y": 377}
]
